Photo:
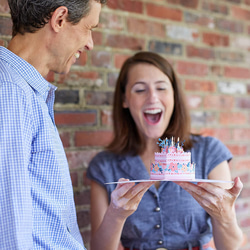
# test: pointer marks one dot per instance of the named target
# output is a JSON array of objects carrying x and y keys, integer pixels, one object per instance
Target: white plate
[{"x": 195, "y": 180}]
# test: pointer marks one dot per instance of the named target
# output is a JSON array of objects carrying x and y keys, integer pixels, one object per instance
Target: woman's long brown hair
[{"x": 127, "y": 139}]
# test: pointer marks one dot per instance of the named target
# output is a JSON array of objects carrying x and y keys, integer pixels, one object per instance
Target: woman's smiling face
[{"x": 150, "y": 98}]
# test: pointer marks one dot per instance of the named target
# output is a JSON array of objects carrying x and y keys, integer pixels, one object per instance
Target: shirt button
[
  {"x": 160, "y": 242},
  {"x": 157, "y": 226},
  {"x": 157, "y": 209}
]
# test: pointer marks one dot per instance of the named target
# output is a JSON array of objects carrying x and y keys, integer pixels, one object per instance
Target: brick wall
[{"x": 208, "y": 44}]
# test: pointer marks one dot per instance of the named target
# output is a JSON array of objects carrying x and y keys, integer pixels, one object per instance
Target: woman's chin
[{"x": 154, "y": 135}]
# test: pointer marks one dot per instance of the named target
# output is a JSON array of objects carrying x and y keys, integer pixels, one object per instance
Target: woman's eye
[
  {"x": 139, "y": 90},
  {"x": 161, "y": 88}
]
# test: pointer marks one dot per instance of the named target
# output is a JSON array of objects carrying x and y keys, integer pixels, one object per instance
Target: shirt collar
[{"x": 27, "y": 71}]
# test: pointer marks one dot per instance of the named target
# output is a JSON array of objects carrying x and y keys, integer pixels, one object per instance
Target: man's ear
[{"x": 59, "y": 18}]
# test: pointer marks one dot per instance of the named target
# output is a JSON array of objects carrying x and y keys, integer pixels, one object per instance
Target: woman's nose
[{"x": 152, "y": 95}]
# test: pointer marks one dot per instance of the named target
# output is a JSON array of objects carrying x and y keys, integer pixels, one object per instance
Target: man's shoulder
[{"x": 10, "y": 78}]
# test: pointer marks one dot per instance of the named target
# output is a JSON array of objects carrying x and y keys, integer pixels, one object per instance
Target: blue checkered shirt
[{"x": 37, "y": 209}]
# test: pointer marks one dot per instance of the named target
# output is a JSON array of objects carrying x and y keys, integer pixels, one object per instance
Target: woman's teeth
[{"x": 153, "y": 111}]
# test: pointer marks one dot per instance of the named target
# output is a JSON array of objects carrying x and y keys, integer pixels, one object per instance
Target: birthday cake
[{"x": 172, "y": 163}]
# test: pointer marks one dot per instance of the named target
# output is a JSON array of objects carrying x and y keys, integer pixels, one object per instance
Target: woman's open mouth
[{"x": 152, "y": 116}]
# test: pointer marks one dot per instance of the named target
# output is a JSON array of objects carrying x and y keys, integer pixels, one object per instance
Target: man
[{"x": 37, "y": 208}]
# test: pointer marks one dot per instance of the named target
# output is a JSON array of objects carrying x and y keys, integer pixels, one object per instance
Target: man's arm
[{"x": 15, "y": 187}]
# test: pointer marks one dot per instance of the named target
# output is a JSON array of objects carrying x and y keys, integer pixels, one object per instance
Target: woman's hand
[
  {"x": 126, "y": 198},
  {"x": 107, "y": 219},
  {"x": 219, "y": 203},
  {"x": 216, "y": 201}
]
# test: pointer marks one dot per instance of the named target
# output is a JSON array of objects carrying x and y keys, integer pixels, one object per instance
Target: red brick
[
  {"x": 237, "y": 72},
  {"x": 4, "y": 7},
  {"x": 233, "y": 118},
  {"x": 111, "y": 21},
  {"x": 92, "y": 138},
  {"x": 230, "y": 56},
  {"x": 80, "y": 159},
  {"x": 203, "y": 53},
  {"x": 241, "y": 134},
  {"x": 215, "y": 7},
  {"x": 229, "y": 25},
  {"x": 214, "y": 39},
  {"x": 197, "y": 19},
  {"x": 74, "y": 179},
  {"x": 82, "y": 198},
  {"x": 189, "y": 4},
  {"x": 243, "y": 103},
  {"x": 238, "y": 150},
  {"x": 242, "y": 207},
  {"x": 202, "y": 118},
  {"x": 119, "y": 59},
  {"x": 76, "y": 118},
  {"x": 126, "y": 5},
  {"x": 194, "y": 101},
  {"x": 218, "y": 102},
  {"x": 125, "y": 42},
  {"x": 106, "y": 118},
  {"x": 163, "y": 47},
  {"x": 163, "y": 12},
  {"x": 233, "y": 1},
  {"x": 112, "y": 77},
  {"x": 224, "y": 134},
  {"x": 97, "y": 38},
  {"x": 200, "y": 85},
  {"x": 242, "y": 43},
  {"x": 65, "y": 137},
  {"x": 98, "y": 98},
  {"x": 86, "y": 180},
  {"x": 240, "y": 13},
  {"x": 183, "y": 33},
  {"x": 246, "y": 190},
  {"x": 192, "y": 68},
  {"x": 246, "y": 222},
  {"x": 5, "y": 26},
  {"x": 101, "y": 58},
  {"x": 83, "y": 218},
  {"x": 216, "y": 70},
  {"x": 78, "y": 77},
  {"x": 143, "y": 27},
  {"x": 82, "y": 60}
]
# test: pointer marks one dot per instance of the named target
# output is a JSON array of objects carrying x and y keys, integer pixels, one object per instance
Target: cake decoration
[{"x": 172, "y": 163}]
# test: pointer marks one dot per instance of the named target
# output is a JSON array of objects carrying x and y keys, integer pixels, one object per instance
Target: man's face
[{"x": 73, "y": 40}]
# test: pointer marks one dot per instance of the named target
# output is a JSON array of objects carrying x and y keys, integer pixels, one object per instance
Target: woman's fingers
[
  {"x": 127, "y": 196},
  {"x": 238, "y": 186},
  {"x": 217, "y": 201}
]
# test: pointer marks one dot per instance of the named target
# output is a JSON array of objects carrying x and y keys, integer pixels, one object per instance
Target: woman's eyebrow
[
  {"x": 139, "y": 82},
  {"x": 161, "y": 81}
]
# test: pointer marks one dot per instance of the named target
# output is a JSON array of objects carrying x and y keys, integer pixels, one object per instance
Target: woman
[{"x": 148, "y": 104}]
